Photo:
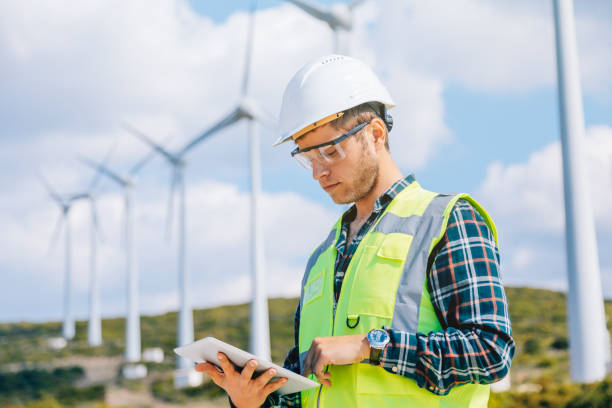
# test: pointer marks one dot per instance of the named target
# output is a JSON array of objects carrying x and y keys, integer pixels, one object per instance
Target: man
[{"x": 402, "y": 304}]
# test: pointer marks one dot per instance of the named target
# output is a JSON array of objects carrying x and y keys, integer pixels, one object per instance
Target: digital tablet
[{"x": 207, "y": 348}]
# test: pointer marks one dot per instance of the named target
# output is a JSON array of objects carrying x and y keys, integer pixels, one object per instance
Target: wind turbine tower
[
  {"x": 94, "y": 327},
  {"x": 589, "y": 339},
  {"x": 65, "y": 204},
  {"x": 249, "y": 109},
  {"x": 185, "y": 315},
  {"x": 339, "y": 17},
  {"x": 132, "y": 322}
]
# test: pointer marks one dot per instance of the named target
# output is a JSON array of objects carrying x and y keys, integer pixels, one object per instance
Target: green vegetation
[
  {"x": 164, "y": 390},
  {"x": 26, "y": 343},
  {"x": 540, "y": 370},
  {"x": 31, "y": 385},
  {"x": 558, "y": 396}
]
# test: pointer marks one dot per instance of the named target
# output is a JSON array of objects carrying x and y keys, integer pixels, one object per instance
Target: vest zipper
[
  {"x": 340, "y": 294},
  {"x": 332, "y": 333}
]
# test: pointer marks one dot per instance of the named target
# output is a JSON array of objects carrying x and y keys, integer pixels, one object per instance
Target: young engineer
[{"x": 402, "y": 304}]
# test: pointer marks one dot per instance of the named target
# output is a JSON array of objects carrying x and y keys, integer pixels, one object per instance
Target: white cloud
[
  {"x": 170, "y": 71},
  {"x": 531, "y": 193},
  {"x": 492, "y": 46},
  {"x": 217, "y": 253},
  {"x": 526, "y": 201},
  {"x": 75, "y": 70}
]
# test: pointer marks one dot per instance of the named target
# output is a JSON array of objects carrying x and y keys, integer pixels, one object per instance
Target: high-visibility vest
[{"x": 385, "y": 284}]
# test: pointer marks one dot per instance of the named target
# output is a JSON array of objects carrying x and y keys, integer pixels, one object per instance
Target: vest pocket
[{"x": 376, "y": 280}]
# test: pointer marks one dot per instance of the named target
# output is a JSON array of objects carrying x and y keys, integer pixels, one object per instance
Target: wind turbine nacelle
[{"x": 251, "y": 109}]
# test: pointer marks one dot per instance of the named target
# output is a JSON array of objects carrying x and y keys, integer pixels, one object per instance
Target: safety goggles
[{"x": 329, "y": 152}]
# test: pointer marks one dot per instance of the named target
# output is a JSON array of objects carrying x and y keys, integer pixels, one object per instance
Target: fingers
[
  {"x": 324, "y": 379},
  {"x": 247, "y": 371},
  {"x": 226, "y": 365},
  {"x": 212, "y": 371},
  {"x": 273, "y": 386},
  {"x": 319, "y": 366},
  {"x": 263, "y": 379}
]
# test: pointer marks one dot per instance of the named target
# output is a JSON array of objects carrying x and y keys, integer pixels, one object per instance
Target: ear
[{"x": 379, "y": 133}]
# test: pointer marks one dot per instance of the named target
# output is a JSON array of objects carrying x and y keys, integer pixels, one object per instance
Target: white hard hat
[{"x": 323, "y": 89}]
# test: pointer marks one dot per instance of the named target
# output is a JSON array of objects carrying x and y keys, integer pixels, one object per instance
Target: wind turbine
[
  {"x": 339, "y": 17},
  {"x": 132, "y": 323},
  {"x": 65, "y": 204},
  {"x": 94, "y": 327},
  {"x": 589, "y": 339},
  {"x": 185, "y": 315},
  {"x": 247, "y": 108}
]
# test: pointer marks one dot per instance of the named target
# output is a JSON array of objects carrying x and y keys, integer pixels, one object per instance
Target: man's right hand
[{"x": 244, "y": 391}]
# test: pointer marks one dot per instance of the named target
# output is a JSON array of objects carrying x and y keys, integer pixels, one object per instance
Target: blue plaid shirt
[{"x": 475, "y": 345}]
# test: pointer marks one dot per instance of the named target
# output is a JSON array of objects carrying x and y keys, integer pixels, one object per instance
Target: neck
[{"x": 388, "y": 173}]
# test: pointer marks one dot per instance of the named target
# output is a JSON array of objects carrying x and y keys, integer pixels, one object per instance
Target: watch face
[{"x": 378, "y": 338}]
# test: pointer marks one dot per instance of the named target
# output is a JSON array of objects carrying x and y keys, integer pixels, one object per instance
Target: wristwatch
[{"x": 378, "y": 339}]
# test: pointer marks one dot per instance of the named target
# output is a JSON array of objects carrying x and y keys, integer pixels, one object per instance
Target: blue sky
[{"x": 477, "y": 111}]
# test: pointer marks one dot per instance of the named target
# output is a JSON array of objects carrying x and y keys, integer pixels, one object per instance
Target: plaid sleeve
[
  {"x": 292, "y": 362},
  {"x": 475, "y": 345}
]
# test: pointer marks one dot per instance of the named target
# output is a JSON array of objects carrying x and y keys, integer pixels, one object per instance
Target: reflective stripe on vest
[{"x": 384, "y": 285}]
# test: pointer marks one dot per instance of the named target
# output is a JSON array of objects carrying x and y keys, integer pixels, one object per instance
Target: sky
[{"x": 476, "y": 111}]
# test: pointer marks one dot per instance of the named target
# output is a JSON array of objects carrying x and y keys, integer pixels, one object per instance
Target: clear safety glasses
[{"x": 329, "y": 152}]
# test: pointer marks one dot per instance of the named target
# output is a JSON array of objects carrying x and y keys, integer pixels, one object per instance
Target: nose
[{"x": 319, "y": 170}]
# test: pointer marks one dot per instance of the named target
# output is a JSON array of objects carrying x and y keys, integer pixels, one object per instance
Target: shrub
[{"x": 560, "y": 343}]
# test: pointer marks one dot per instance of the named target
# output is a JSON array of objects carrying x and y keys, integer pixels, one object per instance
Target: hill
[{"x": 539, "y": 371}]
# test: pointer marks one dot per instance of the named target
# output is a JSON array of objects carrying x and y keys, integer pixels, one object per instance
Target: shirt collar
[{"x": 382, "y": 201}]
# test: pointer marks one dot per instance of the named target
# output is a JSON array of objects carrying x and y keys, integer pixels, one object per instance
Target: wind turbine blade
[
  {"x": 249, "y": 48},
  {"x": 101, "y": 169},
  {"x": 96, "y": 177},
  {"x": 56, "y": 233},
  {"x": 170, "y": 213},
  {"x": 142, "y": 162},
  {"x": 79, "y": 196},
  {"x": 146, "y": 159},
  {"x": 151, "y": 143},
  {"x": 49, "y": 189},
  {"x": 234, "y": 116},
  {"x": 313, "y": 10}
]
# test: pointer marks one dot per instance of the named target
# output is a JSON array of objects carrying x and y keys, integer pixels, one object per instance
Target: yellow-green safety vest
[{"x": 385, "y": 284}]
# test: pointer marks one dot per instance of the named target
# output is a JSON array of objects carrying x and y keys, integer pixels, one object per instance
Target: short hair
[{"x": 359, "y": 114}]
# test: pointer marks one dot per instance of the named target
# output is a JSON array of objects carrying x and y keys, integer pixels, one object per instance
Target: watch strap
[{"x": 375, "y": 356}]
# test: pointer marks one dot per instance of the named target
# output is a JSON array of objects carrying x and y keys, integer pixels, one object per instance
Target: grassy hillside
[
  {"x": 538, "y": 318},
  {"x": 26, "y": 343}
]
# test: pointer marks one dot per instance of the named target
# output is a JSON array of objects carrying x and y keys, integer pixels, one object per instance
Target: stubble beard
[{"x": 364, "y": 181}]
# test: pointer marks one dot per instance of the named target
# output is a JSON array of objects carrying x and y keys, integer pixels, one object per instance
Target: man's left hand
[{"x": 338, "y": 350}]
